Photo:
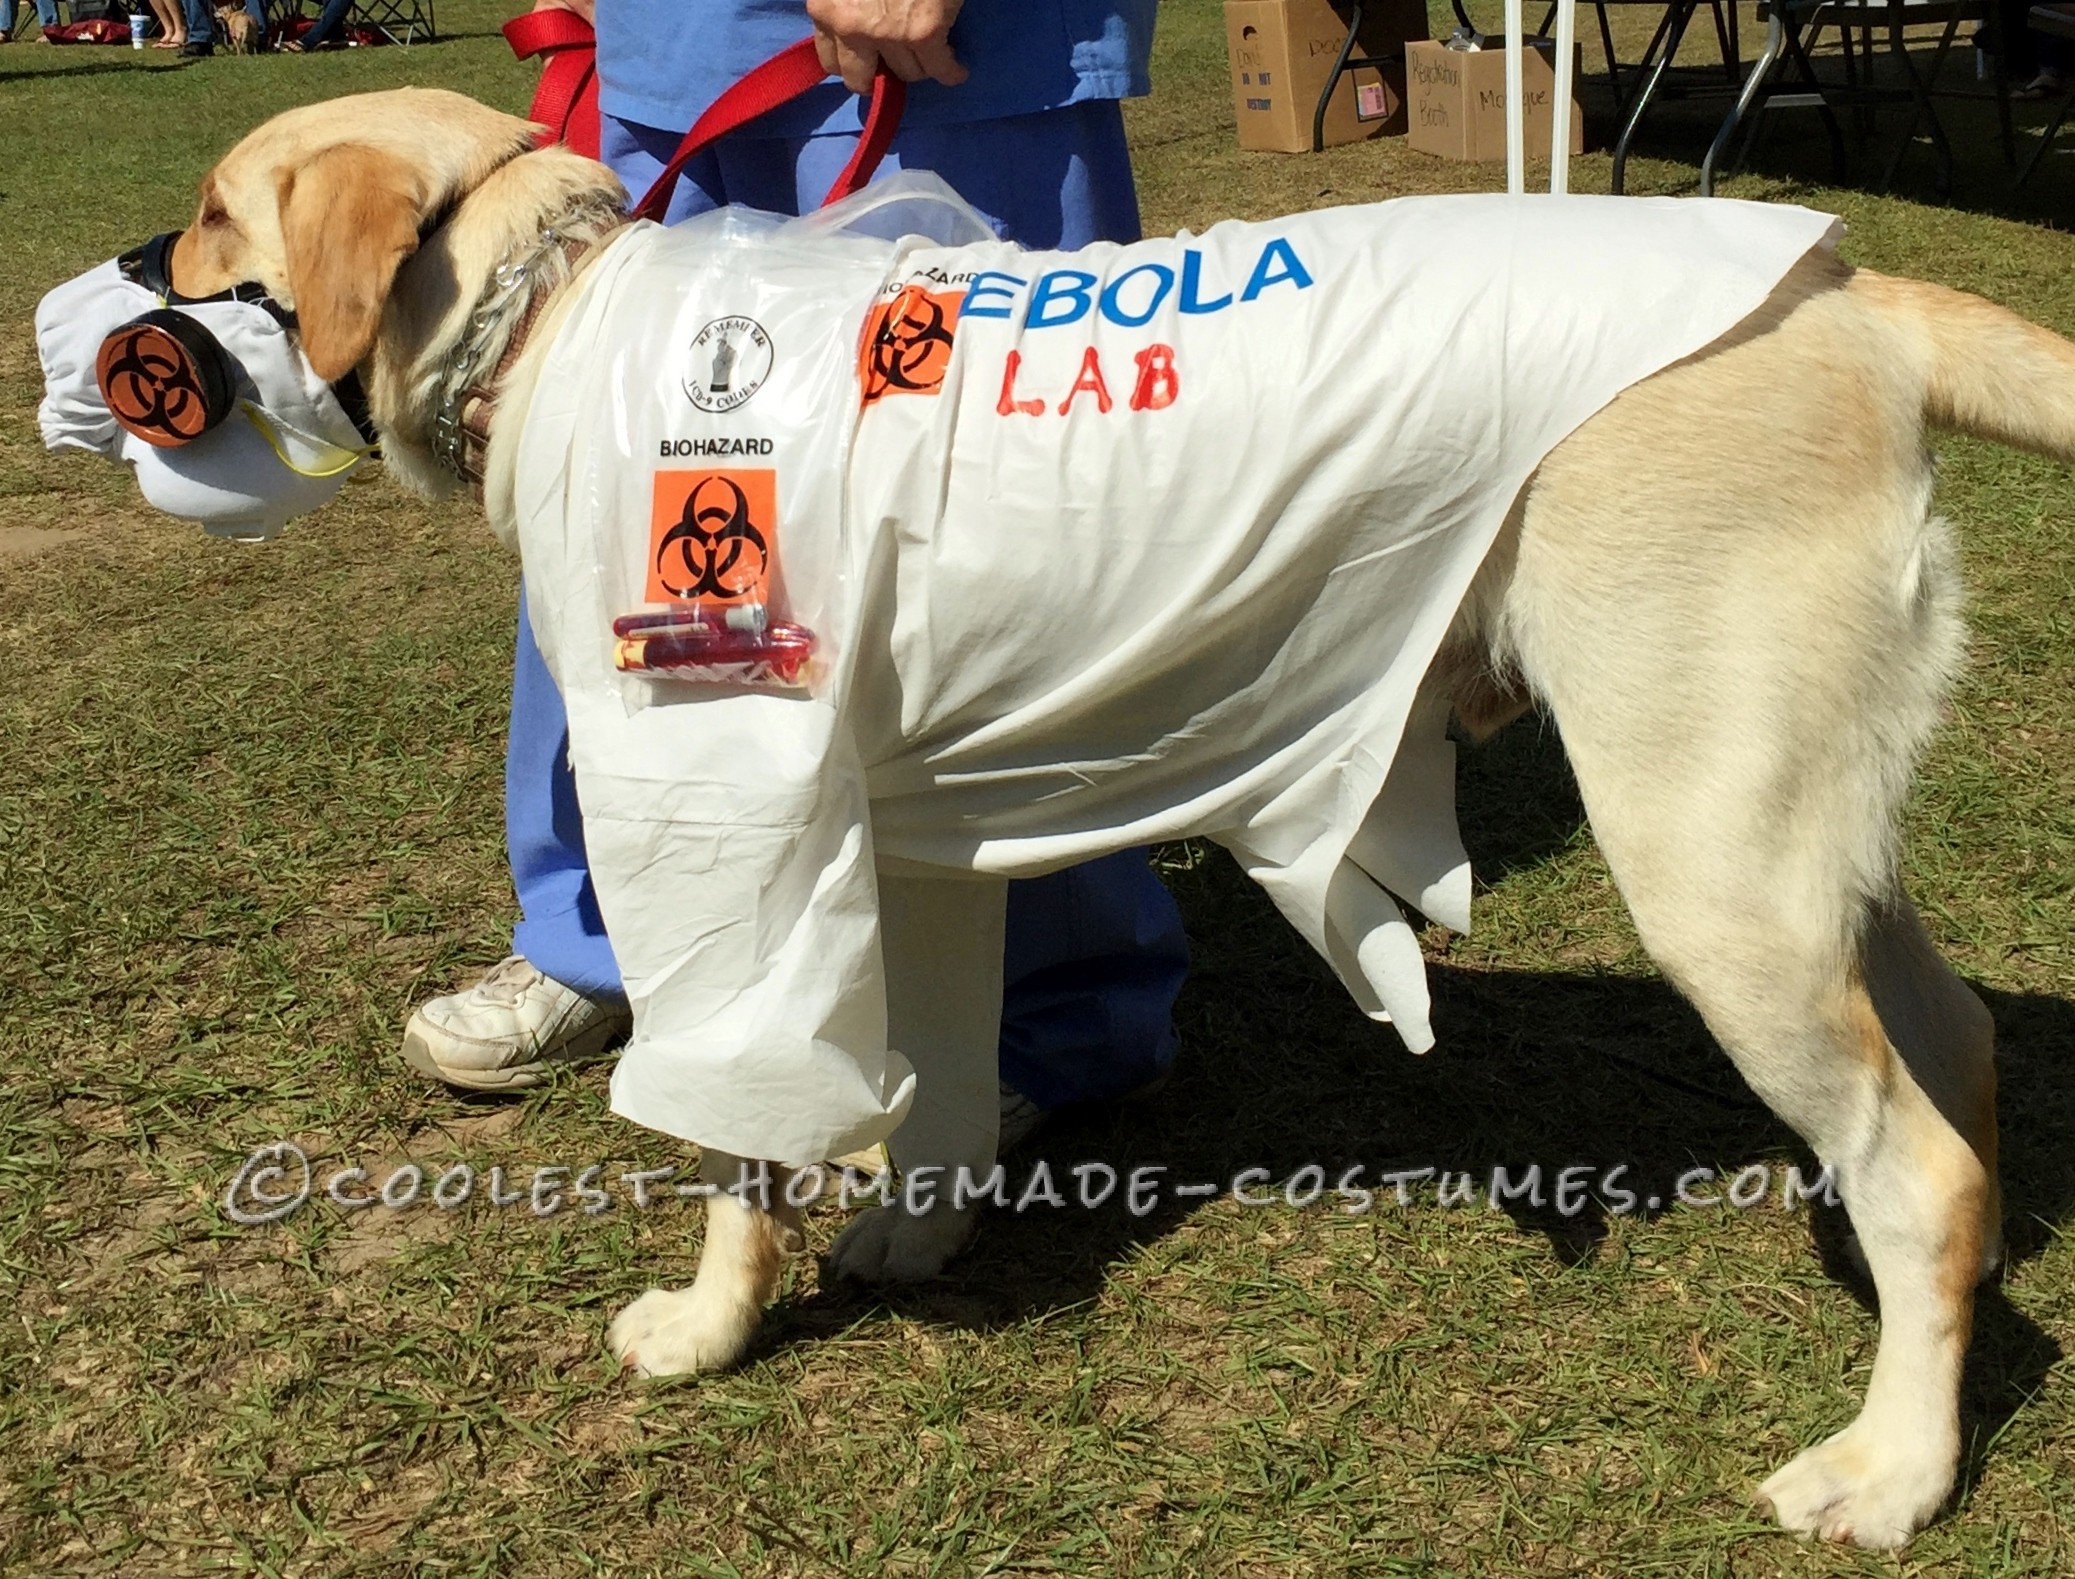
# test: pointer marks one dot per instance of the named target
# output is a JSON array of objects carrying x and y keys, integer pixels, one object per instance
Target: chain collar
[{"x": 496, "y": 335}]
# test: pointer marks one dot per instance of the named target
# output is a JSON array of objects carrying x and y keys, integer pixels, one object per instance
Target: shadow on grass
[
  {"x": 1516, "y": 802},
  {"x": 95, "y": 68},
  {"x": 168, "y": 60},
  {"x": 1531, "y": 1068},
  {"x": 1280, "y": 1071},
  {"x": 1791, "y": 145}
]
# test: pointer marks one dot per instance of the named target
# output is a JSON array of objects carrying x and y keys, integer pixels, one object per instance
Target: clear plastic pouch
[{"x": 735, "y": 352}]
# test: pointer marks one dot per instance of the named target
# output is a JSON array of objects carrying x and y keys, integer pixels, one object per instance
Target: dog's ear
[{"x": 349, "y": 218}]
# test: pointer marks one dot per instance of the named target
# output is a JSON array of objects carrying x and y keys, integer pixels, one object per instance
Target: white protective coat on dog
[{"x": 1131, "y": 556}]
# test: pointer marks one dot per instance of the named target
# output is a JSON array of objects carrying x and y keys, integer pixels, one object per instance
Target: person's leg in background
[
  {"x": 2041, "y": 65},
  {"x": 558, "y": 995},
  {"x": 329, "y": 28},
  {"x": 201, "y": 28},
  {"x": 559, "y": 927},
  {"x": 1096, "y": 954},
  {"x": 2056, "y": 65},
  {"x": 2034, "y": 65},
  {"x": 172, "y": 20},
  {"x": 11, "y": 16}
]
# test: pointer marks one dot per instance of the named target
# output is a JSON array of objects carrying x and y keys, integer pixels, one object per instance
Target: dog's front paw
[
  {"x": 887, "y": 1245},
  {"x": 670, "y": 1332},
  {"x": 1860, "y": 1487}
]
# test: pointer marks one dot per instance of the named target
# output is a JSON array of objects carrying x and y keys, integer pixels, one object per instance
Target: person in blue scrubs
[{"x": 1016, "y": 104}]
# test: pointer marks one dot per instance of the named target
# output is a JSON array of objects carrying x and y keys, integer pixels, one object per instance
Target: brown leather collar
[{"x": 473, "y": 408}]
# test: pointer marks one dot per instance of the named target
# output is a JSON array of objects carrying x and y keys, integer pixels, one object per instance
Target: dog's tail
[{"x": 1988, "y": 372}]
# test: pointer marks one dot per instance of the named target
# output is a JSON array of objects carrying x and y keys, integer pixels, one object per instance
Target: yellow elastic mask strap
[{"x": 351, "y": 457}]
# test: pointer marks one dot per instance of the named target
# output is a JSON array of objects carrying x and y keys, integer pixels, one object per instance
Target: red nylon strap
[
  {"x": 780, "y": 80},
  {"x": 566, "y": 102},
  {"x": 882, "y": 120}
]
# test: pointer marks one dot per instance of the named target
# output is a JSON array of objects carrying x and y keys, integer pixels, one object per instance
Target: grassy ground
[{"x": 249, "y": 812}]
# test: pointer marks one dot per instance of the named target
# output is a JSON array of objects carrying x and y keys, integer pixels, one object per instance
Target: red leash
[
  {"x": 567, "y": 102},
  {"x": 780, "y": 80}
]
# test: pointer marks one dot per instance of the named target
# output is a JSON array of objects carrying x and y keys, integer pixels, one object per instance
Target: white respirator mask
[{"x": 209, "y": 400}]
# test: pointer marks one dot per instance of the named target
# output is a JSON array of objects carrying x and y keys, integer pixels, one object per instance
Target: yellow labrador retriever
[{"x": 1745, "y": 643}]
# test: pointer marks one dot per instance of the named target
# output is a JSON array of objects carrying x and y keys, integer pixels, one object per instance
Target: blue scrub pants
[
  {"x": 1094, "y": 955},
  {"x": 11, "y": 14}
]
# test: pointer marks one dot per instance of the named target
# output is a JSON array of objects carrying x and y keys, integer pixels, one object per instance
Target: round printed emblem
[
  {"x": 165, "y": 379},
  {"x": 731, "y": 358}
]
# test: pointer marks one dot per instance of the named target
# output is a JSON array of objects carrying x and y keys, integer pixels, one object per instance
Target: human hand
[
  {"x": 910, "y": 37},
  {"x": 584, "y": 8}
]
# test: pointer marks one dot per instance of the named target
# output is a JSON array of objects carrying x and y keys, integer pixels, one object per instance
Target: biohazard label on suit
[
  {"x": 1112, "y": 546},
  {"x": 907, "y": 343},
  {"x": 712, "y": 536}
]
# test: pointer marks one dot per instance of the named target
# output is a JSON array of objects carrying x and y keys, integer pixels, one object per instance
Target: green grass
[{"x": 249, "y": 813}]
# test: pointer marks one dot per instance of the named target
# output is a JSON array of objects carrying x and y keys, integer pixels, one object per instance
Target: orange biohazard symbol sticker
[
  {"x": 157, "y": 385},
  {"x": 907, "y": 343},
  {"x": 712, "y": 536}
]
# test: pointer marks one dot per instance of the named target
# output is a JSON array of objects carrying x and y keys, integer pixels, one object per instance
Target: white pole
[
  {"x": 1516, "y": 112},
  {"x": 1560, "y": 116}
]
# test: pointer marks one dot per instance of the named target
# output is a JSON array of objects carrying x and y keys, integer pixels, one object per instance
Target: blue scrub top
[{"x": 661, "y": 62}]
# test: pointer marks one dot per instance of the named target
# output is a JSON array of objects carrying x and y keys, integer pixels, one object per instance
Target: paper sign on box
[
  {"x": 1282, "y": 51},
  {"x": 1457, "y": 100}
]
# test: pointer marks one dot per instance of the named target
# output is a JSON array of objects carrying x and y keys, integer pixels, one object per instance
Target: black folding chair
[
  {"x": 399, "y": 21},
  {"x": 1792, "y": 26},
  {"x": 1348, "y": 61},
  {"x": 2055, "y": 21},
  {"x": 1657, "y": 54}
]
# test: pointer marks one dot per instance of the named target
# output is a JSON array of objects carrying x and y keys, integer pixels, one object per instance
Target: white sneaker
[{"x": 502, "y": 1033}]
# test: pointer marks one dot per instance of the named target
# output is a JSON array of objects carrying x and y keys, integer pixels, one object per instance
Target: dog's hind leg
[
  {"x": 1743, "y": 674},
  {"x": 942, "y": 943},
  {"x": 1863, "y": 1040},
  {"x": 1910, "y": 1130},
  {"x": 750, "y": 1229}
]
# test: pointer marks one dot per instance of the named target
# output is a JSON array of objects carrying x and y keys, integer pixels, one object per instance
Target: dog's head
[
  {"x": 322, "y": 205},
  {"x": 380, "y": 219},
  {"x": 360, "y": 235}
]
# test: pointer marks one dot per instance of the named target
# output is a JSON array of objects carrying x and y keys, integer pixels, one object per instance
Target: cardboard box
[
  {"x": 1458, "y": 100},
  {"x": 1281, "y": 53}
]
